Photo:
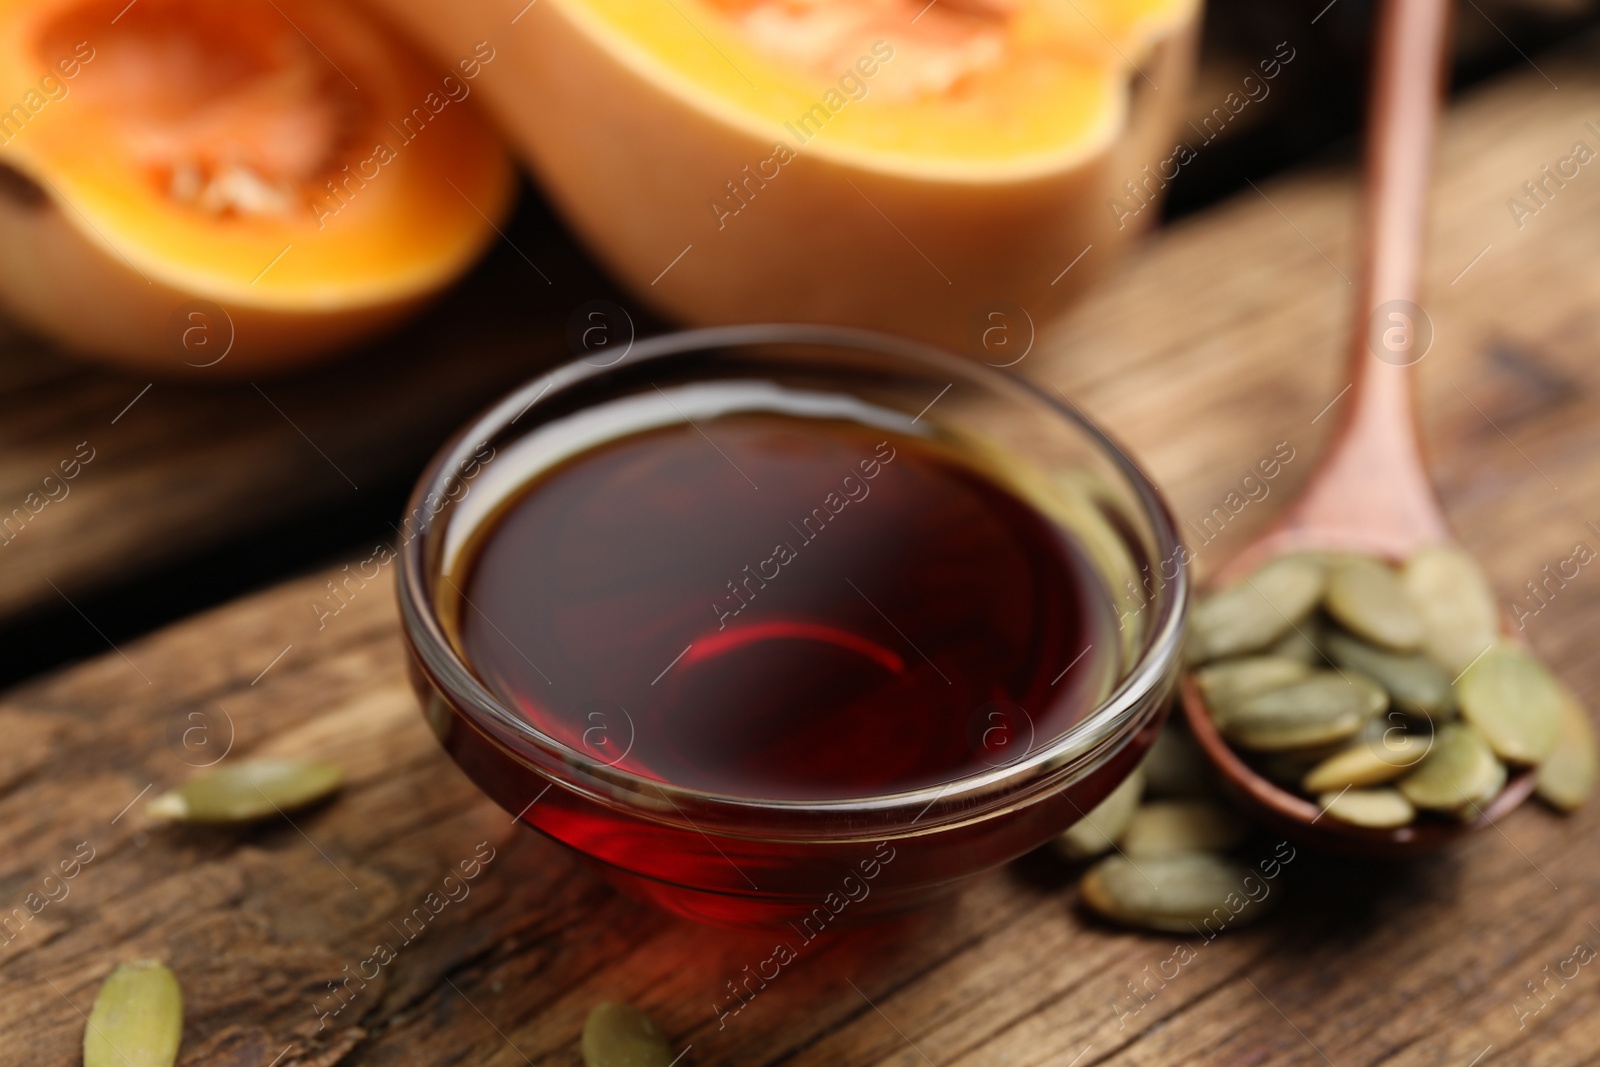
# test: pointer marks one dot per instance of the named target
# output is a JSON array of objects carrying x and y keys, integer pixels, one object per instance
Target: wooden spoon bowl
[{"x": 1371, "y": 492}]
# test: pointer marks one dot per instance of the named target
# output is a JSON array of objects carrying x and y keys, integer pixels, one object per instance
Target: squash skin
[
  {"x": 633, "y": 168},
  {"x": 64, "y": 284},
  {"x": 123, "y": 302}
]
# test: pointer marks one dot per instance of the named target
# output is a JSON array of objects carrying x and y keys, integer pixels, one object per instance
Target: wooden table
[
  {"x": 1218, "y": 341},
  {"x": 181, "y": 468}
]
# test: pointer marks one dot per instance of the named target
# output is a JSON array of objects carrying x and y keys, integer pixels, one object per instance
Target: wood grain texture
[
  {"x": 1220, "y": 340},
  {"x": 187, "y": 466}
]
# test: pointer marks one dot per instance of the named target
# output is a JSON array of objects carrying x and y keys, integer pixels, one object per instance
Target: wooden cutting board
[{"x": 1216, "y": 344}]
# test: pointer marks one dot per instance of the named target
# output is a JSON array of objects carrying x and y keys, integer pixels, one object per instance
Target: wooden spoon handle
[{"x": 1372, "y": 489}]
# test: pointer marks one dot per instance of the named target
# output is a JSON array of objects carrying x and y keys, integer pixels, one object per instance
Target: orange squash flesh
[
  {"x": 287, "y": 161},
  {"x": 889, "y": 163}
]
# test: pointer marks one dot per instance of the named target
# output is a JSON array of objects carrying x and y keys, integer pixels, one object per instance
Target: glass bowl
[{"x": 739, "y": 861}]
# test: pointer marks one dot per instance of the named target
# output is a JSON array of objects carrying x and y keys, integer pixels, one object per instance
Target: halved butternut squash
[
  {"x": 905, "y": 164},
  {"x": 239, "y": 186}
]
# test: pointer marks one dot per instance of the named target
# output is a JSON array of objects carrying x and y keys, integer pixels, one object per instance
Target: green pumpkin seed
[
  {"x": 1258, "y": 611},
  {"x": 1224, "y": 686},
  {"x": 1383, "y": 808},
  {"x": 1170, "y": 827},
  {"x": 1318, "y": 710},
  {"x": 1366, "y": 597},
  {"x": 1367, "y": 763},
  {"x": 620, "y": 1035},
  {"x": 137, "y": 1018},
  {"x": 1415, "y": 683},
  {"x": 1474, "y": 806},
  {"x": 247, "y": 791},
  {"x": 1567, "y": 776},
  {"x": 1288, "y": 769},
  {"x": 1095, "y": 832},
  {"x": 1514, "y": 702},
  {"x": 1172, "y": 893},
  {"x": 1175, "y": 767},
  {"x": 1305, "y": 643},
  {"x": 1455, "y": 602},
  {"x": 1458, "y": 772}
]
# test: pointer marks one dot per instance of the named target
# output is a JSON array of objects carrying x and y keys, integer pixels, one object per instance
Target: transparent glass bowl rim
[{"x": 1082, "y": 741}]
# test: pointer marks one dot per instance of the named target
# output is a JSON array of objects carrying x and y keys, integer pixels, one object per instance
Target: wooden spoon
[{"x": 1371, "y": 492}]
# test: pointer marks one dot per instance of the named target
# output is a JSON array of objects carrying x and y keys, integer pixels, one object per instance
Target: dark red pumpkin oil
[
  {"x": 769, "y": 608},
  {"x": 776, "y": 607}
]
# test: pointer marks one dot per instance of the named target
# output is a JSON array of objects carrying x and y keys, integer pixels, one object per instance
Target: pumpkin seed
[
  {"x": 1096, "y": 831},
  {"x": 1175, "y": 767},
  {"x": 1170, "y": 827},
  {"x": 1171, "y": 893},
  {"x": 1381, "y": 808},
  {"x": 1459, "y": 770},
  {"x": 1415, "y": 683},
  {"x": 1224, "y": 686},
  {"x": 1388, "y": 726},
  {"x": 1457, "y": 607},
  {"x": 1491, "y": 789},
  {"x": 1366, "y": 597},
  {"x": 1258, "y": 611},
  {"x": 1317, "y": 710},
  {"x": 137, "y": 1018},
  {"x": 1513, "y": 700},
  {"x": 1288, "y": 769},
  {"x": 1304, "y": 643},
  {"x": 247, "y": 791},
  {"x": 1367, "y": 763},
  {"x": 620, "y": 1035},
  {"x": 1567, "y": 776}
]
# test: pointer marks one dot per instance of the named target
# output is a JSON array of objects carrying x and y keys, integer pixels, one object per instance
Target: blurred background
[{"x": 199, "y": 491}]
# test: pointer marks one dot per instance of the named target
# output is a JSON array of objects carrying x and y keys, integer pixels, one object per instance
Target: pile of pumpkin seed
[
  {"x": 1385, "y": 693},
  {"x": 1164, "y": 841}
]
